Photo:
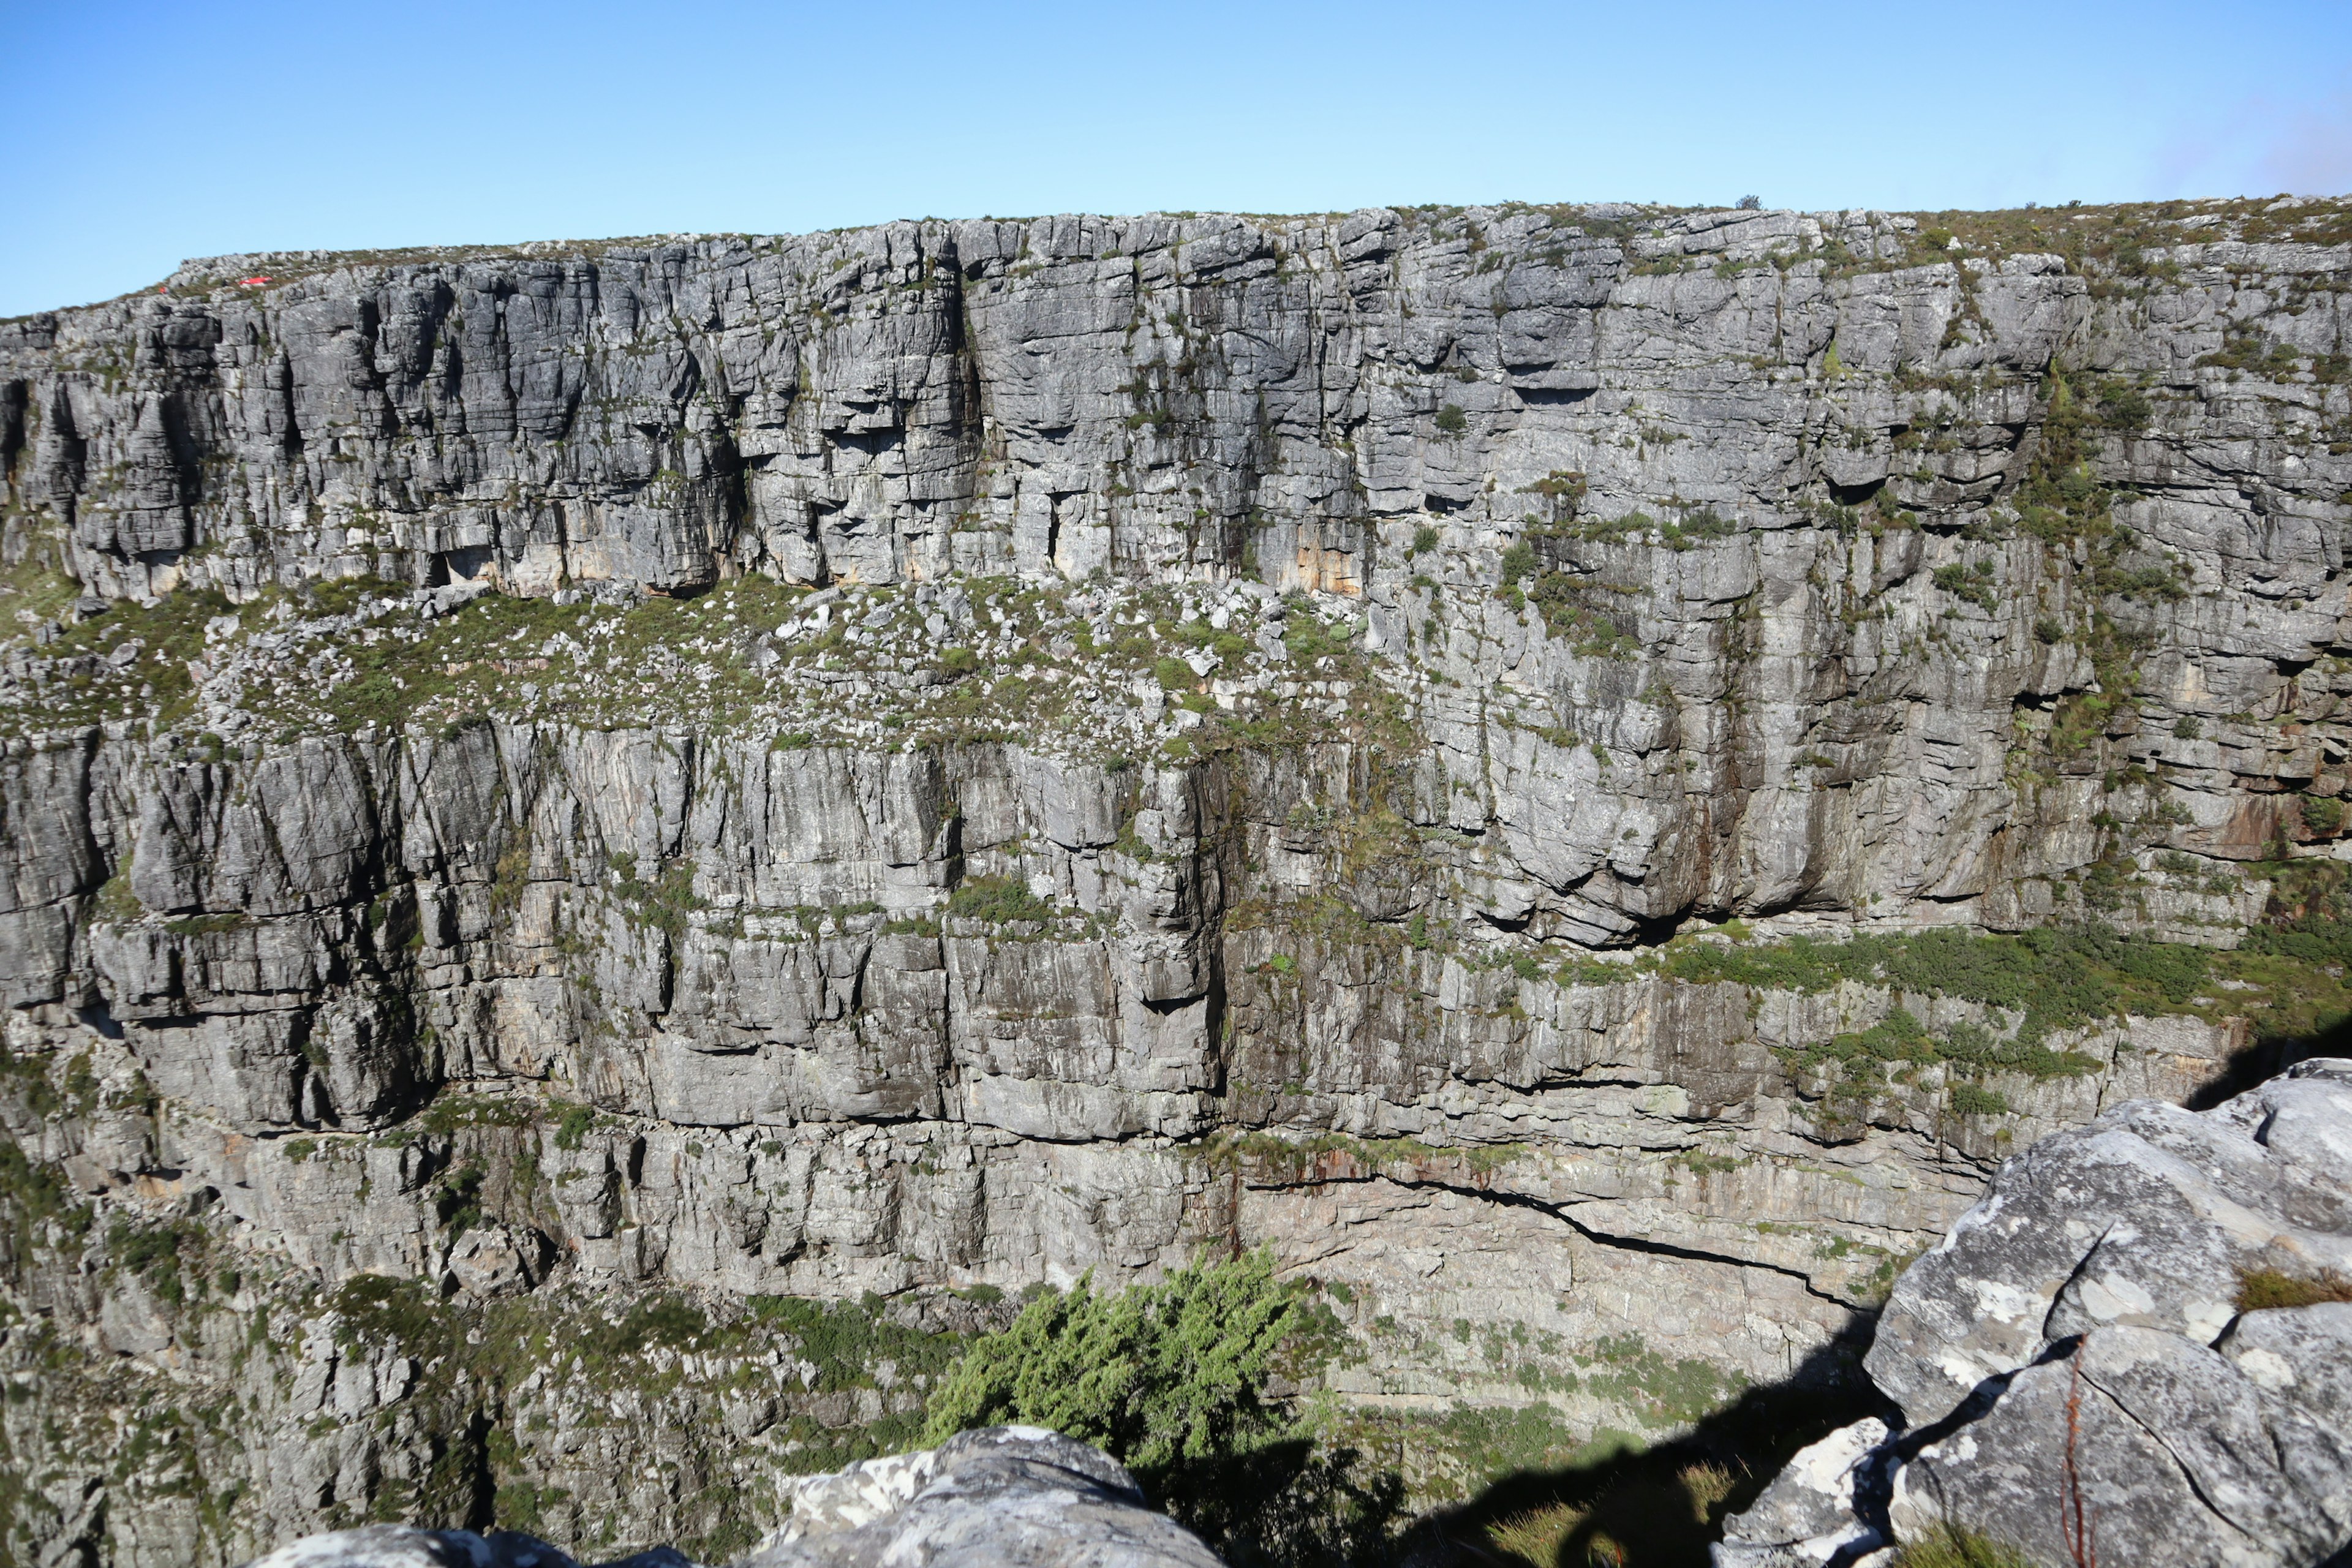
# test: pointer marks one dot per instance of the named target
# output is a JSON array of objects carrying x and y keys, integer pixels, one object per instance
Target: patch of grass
[
  {"x": 1954, "y": 1546},
  {"x": 848, "y": 1341},
  {"x": 2259, "y": 1289}
]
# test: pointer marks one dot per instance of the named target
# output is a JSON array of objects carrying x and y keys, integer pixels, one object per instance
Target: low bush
[
  {"x": 998, "y": 899},
  {"x": 1173, "y": 1380}
]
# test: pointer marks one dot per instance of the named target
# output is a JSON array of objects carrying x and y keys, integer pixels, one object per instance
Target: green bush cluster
[
  {"x": 1308, "y": 637},
  {"x": 1159, "y": 1377},
  {"x": 1172, "y": 1381},
  {"x": 1974, "y": 585},
  {"x": 998, "y": 900},
  {"x": 1899, "y": 1040},
  {"x": 2056, "y": 976}
]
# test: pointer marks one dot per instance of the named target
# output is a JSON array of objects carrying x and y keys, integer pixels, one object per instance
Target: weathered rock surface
[
  {"x": 2078, "y": 1337},
  {"x": 1009, "y": 1495},
  {"x": 1002, "y": 1494},
  {"x": 553, "y": 800}
]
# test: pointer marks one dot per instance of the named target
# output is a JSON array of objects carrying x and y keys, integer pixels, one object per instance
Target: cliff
[{"x": 606, "y": 846}]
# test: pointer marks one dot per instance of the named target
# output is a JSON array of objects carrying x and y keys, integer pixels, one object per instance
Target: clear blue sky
[{"x": 140, "y": 133}]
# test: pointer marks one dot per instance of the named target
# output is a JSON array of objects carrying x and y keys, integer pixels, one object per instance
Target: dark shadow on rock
[
  {"x": 2268, "y": 1056},
  {"x": 1290, "y": 1504},
  {"x": 1659, "y": 1506}
]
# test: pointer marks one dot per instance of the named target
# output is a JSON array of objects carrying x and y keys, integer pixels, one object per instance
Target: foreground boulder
[
  {"x": 998, "y": 1495},
  {"x": 2143, "y": 1335}
]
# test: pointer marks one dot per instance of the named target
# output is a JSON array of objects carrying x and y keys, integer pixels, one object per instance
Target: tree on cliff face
[{"x": 1173, "y": 1380}]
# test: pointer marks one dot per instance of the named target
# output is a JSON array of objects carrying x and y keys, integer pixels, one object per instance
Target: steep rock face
[
  {"x": 2139, "y": 1337},
  {"x": 439, "y": 849},
  {"x": 1820, "y": 711}
]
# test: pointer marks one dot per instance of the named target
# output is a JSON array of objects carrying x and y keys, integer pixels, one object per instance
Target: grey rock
[
  {"x": 403, "y": 1546},
  {"x": 1010, "y": 1495},
  {"x": 1818, "y": 1508},
  {"x": 2144, "y": 1219},
  {"x": 1000, "y": 1495},
  {"x": 685, "y": 990},
  {"x": 2074, "y": 1351}
]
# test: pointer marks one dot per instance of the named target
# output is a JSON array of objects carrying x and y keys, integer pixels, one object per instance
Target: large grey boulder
[
  {"x": 999, "y": 1495},
  {"x": 2074, "y": 1349},
  {"x": 405, "y": 1546}
]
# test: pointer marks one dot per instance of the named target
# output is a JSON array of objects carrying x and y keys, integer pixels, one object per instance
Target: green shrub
[
  {"x": 1169, "y": 1380},
  {"x": 998, "y": 899},
  {"x": 1451, "y": 420},
  {"x": 958, "y": 660},
  {"x": 572, "y": 1123},
  {"x": 1308, "y": 637},
  {"x": 153, "y": 1254},
  {"x": 1968, "y": 1099},
  {"x": 1424, "y": 540},
  {"x": 1519, "y": 562},
  {"x": 1962, "y": 583}
]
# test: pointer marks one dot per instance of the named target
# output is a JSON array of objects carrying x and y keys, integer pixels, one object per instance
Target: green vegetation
[
  {"x": 999, "y": 901},
  {"x": 1972, "y": 586},
  {"x": 1163, "y": 1378},
  {"x": 1899, "y": 1038},
  {"x": 2264, "y": 1288},
  {"x": 154, "y": 1255},
  {"x": 1955, "y": 1546},
  {"x": 573, "y": 1122},
  {"x": 1569, "y": 609},
  {"x": 2055, "y": 977},
  {"x": 1660, "y": 1391},
  {"x": 1970, "y": 1099},
  {"x": 1650, "y": 1518},
  {"x": 1171, "y": 1380},
  {"x": 659, "y": 1359},
  {"x": 2111, "y": 243},
  {"x": 663, "y": 903}
]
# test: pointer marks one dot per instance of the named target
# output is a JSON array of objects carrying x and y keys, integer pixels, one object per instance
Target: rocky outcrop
[
  {"x": 730, "y": 804},
  {"x": 998, "y": 1495},
  {"x": 2138, "y": 1339}
]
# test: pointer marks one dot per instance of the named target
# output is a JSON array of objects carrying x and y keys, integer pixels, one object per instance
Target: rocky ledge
[
  {"x": 2137, "y": 1348},
  {"x": 1001, "y": 1494}
]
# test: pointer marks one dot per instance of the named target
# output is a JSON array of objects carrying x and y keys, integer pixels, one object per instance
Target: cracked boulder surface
[
  {"x": 1011, "y": 1494},
  {"x": 608, "y": 848},
  {"x": 2142, "y": 1331}
]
